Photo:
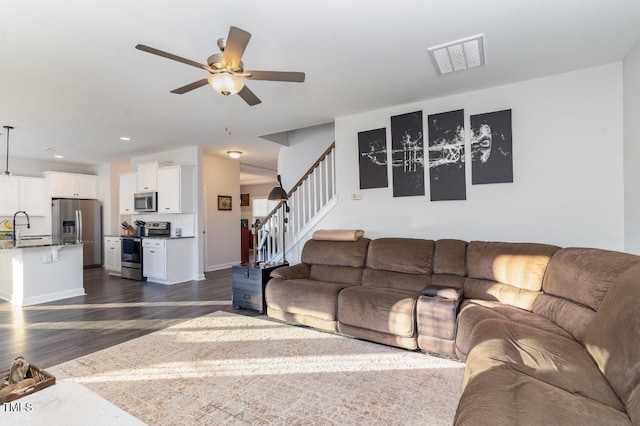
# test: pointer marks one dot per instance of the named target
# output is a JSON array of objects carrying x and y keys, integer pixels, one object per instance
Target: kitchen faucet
[{"x": 14, "y": 224}]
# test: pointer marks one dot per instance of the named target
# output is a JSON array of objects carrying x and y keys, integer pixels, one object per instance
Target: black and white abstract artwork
[
  {"x": 372, "y": 147},
  {"x": 407, "y": 154},
  {"x": 446, "y": 156},
  {"x": 491, "y": 148}
]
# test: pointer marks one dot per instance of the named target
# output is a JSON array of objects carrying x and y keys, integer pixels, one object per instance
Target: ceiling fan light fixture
[
  {"x": 225, "y": 83},
  {"x": 234, "y": 154}
]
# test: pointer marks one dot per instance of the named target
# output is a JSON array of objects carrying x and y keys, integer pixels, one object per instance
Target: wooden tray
[{"x": 43, "y": 380}]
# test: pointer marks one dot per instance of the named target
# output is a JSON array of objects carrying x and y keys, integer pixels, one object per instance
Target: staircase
[{"x": 290, "y": 222}]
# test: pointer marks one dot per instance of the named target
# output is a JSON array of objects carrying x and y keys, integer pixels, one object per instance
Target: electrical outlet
[
  {"x": 356, "y": 196},
  {"x": 47, "y": 258}
]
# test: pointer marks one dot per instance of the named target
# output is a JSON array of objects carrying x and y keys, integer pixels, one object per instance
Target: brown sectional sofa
[{"x": 549, "y": 335}]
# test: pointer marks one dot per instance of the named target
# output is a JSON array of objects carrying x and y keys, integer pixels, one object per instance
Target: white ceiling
[{"x": 71, "y": 82}]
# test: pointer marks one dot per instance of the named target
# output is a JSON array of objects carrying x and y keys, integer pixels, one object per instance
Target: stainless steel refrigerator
[{"x": 79, "y": 221}]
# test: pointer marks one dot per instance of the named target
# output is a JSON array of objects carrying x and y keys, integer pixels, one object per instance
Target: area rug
[{"x": 228, "y": 369}]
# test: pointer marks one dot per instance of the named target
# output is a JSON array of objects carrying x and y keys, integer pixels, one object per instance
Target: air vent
[{"x": 458, "y": 55}]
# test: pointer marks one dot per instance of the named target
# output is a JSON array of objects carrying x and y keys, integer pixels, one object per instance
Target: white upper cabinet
[
  {"x": 34, "y": 198},
  {"x": 147, "y": 177},
  {"x": 175, "y": 189},
  {"x": 9, "y": 195},
  {"x": 72, "y": 185},
  {"x": 128, "y": 187},
  {"x": 23, "y": 193}
]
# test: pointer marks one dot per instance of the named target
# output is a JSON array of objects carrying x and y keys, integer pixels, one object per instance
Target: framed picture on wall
[
  {"x": 224, "y": 202},
  {"x": 244, "y": 200}
]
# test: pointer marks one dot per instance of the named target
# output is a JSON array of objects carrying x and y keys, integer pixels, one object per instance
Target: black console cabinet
[{"x": 248, "y": 285}]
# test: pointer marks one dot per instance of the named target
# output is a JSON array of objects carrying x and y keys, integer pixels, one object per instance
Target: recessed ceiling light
[
  {"x": 58, "y": 156},
  {"x": 458, "y": 55},
  {"x": 125, "y": 138},
  {"x": 234, "y": 154}
]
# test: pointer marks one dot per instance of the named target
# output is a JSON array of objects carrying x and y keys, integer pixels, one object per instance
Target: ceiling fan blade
[
  {"x": 249, "y": 97},
  {"x": 237, "y": 41},
  {"x": 191, "y": 86},
  {"x": 171, "y": 56},
  {"x": 295, "y": 77}
]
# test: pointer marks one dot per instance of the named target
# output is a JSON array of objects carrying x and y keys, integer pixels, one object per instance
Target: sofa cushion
[
  {"x": 571, "y": 316},
  {"x": 473, "y": 312},
  {"x": 336, "y": 253},
  {"x": 386, "y": 311},
  {"x": 336, "y": 274},
  {"x": 506, "y": 397},
  {"x": 559, "y": 361},
  {"x": 414, "y": 283},
  {"x": 304, "y": 296},
  {"x": 407, "y": 255},
  {"x": 520, "y": 265},
  {"x": 613, "y": 336},
  {"x": 498, "y": 292},
  {"x": 584, "y": 275},
  {"x": 450, "y": 257}
]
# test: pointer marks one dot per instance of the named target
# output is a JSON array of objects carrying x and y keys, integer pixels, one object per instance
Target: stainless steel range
[{"x": 158, "y": 229}]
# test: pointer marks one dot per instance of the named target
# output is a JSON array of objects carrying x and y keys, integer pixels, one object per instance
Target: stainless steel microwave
[{"x": 145, "y": 201}]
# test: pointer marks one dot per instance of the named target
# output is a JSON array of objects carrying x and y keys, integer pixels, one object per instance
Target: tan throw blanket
[{"x": 338, "y": 234}]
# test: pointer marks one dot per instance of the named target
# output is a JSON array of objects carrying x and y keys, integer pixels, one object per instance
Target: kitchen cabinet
[
  {"x": 128, "y": 187},
  {"x": 10, "y": 195},
  {"x": 175, "y": 189},
  {"x": 72, "y": 185},
  {"x": 23, "y": 193},
  {"x": 154, "y": 259},
  {"x": 147, "y": 177},
  {"x": 168, "y": 260},
  {"x": 112, "y": 255},
  {"x": 34, "y": 198}
]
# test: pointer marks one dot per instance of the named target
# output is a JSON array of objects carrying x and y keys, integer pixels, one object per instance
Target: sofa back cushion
[
  {"x": 613, "y": 338},
  {"x": 449, "y": 263},
  {"x": 336, "y": 253},
  {"x": 576, "y": 282},
  {"x": 399, "y": 263},
  {"x": 336, "y": 274},
  {"x": 510, "y": 273}
]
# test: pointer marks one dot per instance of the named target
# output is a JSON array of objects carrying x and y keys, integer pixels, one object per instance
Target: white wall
[
  {"x": 305, "y": 147},
  {"x": 567, "y": 157},
  {"x": 632, "y": 150},
  {"x": 221, "y": 177}
]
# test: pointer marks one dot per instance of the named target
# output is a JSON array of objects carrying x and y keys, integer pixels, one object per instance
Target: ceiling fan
[{"x": 227, "y": 70}]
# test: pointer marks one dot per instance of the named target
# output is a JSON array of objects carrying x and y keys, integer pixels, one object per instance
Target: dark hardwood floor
[{"x": 113, "y": 311}]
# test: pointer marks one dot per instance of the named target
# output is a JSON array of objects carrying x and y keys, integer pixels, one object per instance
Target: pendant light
[{"x": 6, "y": 170}]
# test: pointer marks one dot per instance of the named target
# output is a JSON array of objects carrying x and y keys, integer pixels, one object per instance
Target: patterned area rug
[{"x": 232, "y": 369}]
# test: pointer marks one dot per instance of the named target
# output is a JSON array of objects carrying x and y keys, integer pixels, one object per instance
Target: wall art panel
[
  {"x": 491, "y": 148},
  {"x": 446, "y": 156},
  {"x": 372, "y": 147},
  {"x": 407, "y": 155}
]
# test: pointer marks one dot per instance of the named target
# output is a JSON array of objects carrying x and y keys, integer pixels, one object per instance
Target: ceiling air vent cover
[{"x": 458, "y": 55}]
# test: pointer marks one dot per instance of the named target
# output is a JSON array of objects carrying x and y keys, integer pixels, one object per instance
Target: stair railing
[{"x": 315, "y": 190}]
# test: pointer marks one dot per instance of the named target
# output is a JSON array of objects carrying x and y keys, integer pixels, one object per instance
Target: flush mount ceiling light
[
  {"x": 234, "y": 154},
  {"x": 458, "y": 55},
  {"x": 58, "y": 156},
  {"x": 225, "y": 83},
  {"x": 125, "y": 138}
]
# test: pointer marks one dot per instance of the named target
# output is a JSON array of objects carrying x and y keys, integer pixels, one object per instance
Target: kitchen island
[{"x": 40, "y": 271}]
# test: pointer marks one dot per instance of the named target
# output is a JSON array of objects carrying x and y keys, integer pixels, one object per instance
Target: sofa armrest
[
  {"x": 454, "y": 294},
  {"x": 301, "y": 270}
]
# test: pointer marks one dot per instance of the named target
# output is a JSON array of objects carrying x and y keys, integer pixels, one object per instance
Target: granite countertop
[
  {"x": 161, "y": 237},
  {"x": 37, "y": 242}
]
